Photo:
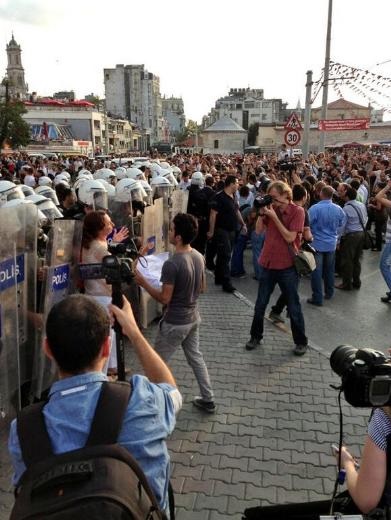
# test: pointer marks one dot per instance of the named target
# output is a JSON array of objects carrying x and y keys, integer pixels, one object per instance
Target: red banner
[{"x": 333, "y": 125}]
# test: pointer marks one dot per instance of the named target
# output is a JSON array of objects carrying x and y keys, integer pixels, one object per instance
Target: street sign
[
  {"x": 292, "y": 137},
  {"x": 293, "y": 122}
]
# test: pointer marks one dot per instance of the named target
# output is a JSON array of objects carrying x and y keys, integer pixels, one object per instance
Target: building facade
[
  {"x": 246, "y": 106},
  {"x": 133, "y": 93},
  {"x": 62, "y": 128},
  {"x": 174, "y": 114},
  {"x": 224, "y": 136},
  {"x": 15, "y": 79}
]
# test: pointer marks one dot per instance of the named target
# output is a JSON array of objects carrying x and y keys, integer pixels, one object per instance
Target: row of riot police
[{"x": 40, "y": 254}]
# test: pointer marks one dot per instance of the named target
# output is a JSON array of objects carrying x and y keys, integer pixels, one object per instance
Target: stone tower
[{"x": 15, "y": 71}]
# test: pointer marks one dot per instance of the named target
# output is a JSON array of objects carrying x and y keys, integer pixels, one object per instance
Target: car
[
  {"x": 297, "y": 151},
  {"x": 37, "y": 156}
]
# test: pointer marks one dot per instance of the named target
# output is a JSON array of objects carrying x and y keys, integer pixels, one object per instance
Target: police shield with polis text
[
  {"x": 59, "y": 279},
  {"x": 18, "y": 258}
]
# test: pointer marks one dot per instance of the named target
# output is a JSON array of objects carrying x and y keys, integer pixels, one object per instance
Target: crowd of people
[{"x": 272, "y": 203}]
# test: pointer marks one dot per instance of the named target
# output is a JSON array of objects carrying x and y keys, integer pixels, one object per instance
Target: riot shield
[
  {"x": 179, "y": 201},
  {"x": 60, "y": 278},
  {"x": 152, "y": 228},
  {"x": 18, "y": 268},
  {"x": 121, "y": 215}
]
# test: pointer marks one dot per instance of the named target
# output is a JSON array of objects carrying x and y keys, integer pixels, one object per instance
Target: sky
[{"x": 198, "y": 49}]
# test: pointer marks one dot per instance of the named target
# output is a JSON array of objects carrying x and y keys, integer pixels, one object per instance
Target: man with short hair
[
  {"x": 78, "y": 341},
  {"x": 223, "y": 220},
  {"x": 183, "y": 279},
  {"x": 352, "y": 240},
  {"x": 326, "y": 219},
  {"x": 283, "y": 222}
]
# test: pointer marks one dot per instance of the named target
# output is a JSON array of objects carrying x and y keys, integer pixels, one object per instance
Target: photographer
[
  {"x": 78, "y": 341},
  {"x": 284, "y": 223}
]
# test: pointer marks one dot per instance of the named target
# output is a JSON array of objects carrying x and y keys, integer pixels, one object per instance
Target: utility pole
[
  {"x": 326, "y": 75},
  {"x": 307, "y": 115}
]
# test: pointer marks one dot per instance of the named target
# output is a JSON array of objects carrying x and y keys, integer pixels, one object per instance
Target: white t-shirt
[{"x": 29, "y": 180}]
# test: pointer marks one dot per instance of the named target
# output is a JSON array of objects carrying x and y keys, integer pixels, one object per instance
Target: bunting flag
[{"x": 375, "y": 88}]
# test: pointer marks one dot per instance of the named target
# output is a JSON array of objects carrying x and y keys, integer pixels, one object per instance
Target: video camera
[
  {"x": 365, "y": 374},
  {"x": 287, "y": 165},
  {"x": 115, "y": 268}
]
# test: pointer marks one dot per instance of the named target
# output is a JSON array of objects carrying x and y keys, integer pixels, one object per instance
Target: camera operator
[{"x": 284, "y": 223}]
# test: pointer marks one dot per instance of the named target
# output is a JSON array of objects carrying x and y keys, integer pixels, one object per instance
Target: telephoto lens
[{"x": 341, "y": 358}]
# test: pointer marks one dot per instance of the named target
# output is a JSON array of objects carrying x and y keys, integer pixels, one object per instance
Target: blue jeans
[
  {"x": 385, "y": 264},
  {"x": 237, "y": 267},
  {"x": 325, "y": 266},
  {"x": 288, "y": 281},
  {"x": 257, "y": 245}
]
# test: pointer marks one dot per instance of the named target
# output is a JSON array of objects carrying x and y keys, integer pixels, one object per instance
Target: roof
[
  {"x": 225, "y": 124},
  {"x": 343, "y": 104}
]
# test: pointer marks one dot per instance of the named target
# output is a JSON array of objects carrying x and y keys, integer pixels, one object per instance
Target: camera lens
[{"x": 342, "y": 358}]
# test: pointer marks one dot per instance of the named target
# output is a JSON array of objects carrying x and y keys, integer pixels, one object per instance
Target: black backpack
[{"x": 100, "y": 481}]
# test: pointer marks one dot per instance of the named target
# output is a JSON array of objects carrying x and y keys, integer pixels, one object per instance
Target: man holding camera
[
  {"x": 78, "y": 341},
  {"x": 283, "y": 222}
]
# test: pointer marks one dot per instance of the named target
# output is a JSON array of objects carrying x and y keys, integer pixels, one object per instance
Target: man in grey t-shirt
[{"x": 183, "y": 278}]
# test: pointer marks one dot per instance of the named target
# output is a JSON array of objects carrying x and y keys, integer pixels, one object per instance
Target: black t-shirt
[{"x": 226, "y": 211}]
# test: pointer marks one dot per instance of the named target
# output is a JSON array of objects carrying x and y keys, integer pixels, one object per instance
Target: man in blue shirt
[
  {"x": 78, "y": 341},
  {"x": 352, "y": 240},
  {"x": 326, "y": 218}
]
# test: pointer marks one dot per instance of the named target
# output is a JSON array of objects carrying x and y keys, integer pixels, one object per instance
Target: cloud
[{"x": 31, "y": 12}]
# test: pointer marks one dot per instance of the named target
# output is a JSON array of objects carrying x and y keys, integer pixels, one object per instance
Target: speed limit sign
[{"x": 292, "y": 137}]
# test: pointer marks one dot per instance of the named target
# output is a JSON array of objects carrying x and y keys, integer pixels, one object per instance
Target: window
[
  {"x": 264, "y": 117},
  {"x": 249, "y": 104},
  {"x": 216, "y": 144},
  {"x": 107, "y": 76}
]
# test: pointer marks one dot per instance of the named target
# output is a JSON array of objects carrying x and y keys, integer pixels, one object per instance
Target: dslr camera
[
  {"x": 262, "y": 202},
  {"x": 365, "y": 374}
]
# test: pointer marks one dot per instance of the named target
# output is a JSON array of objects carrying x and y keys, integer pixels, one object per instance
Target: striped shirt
[
  {"x": 388, "y": 230},
  {"x": 379, "y": 428}
]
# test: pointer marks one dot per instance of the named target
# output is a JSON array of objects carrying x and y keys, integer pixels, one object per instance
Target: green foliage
[
  {"x": 253, "y": 134},
  {"x": 13, "y": 128},
  {"x": 191, "y": 129}
]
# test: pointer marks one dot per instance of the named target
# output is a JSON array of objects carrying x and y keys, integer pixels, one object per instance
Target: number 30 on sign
[{"x": 292, "y": 137}]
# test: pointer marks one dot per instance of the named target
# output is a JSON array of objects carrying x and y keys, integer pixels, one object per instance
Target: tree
[
  {"x": 253, "y": 134},
  {"x": 191, "y": 129},
  {"x": 13, "y": 128}
]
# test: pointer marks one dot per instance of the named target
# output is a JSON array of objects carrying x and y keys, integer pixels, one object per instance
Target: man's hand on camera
[
  {"x": 125, "y": 317},
  {"x": 269, "y": 212}
]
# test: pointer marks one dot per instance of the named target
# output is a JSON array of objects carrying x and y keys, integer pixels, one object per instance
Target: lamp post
[{"x": 326, "y": 75}]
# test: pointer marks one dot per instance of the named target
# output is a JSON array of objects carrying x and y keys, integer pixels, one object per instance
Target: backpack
[{"x": 100, "y": 481}]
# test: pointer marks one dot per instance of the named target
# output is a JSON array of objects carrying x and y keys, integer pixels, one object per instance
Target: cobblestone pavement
[{"x": 269, "y": 441}]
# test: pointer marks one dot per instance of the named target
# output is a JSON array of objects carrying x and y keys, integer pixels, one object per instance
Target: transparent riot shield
[
  {"x": 179, "y": 201},
  {"x": 18, "y": 324},
  {"x": 60, "y": 278},
  {"x": 153, "y": 229}
]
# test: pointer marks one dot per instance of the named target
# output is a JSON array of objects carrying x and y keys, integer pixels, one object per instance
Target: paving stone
[
  {"x": 183, "y": 514},
  {"x": 233, "y": 490},
  {"x": 198, "y": 486},
  {"x": 204, "y": 502}
]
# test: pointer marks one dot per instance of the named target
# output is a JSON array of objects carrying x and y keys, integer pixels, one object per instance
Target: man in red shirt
[{"x": 283, "y": 222}]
